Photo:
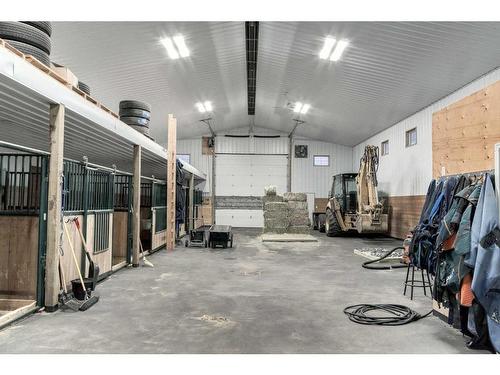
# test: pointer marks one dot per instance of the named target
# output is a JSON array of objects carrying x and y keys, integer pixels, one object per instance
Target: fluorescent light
[
  {"x": 169, "y": 45},
  {"x": 298, "y": 107},
  {"x": 208, "y": 106},
  {"x": 181, "y": 45},
  {"x": 200, "y": 107},
  {"x": 327, "y": 47},
  {"x": 305, "y": 108},
  {"x": 337, "y": 52}
]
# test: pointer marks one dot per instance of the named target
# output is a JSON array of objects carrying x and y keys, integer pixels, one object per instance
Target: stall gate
[
  {"x": 88, "y": 197},
  {"x": 23, "y": 214}
]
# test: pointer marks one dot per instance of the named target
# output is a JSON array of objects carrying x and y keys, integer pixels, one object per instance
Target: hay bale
[
  {"x": 272, "y": 198},
  {"x": 270, "y": 190},
  {"x": 297, "y": 205},
  {"x": 299, "y": 197},
  {"x": 299, "y": 229},
  {"x": 276, "y": 206}
]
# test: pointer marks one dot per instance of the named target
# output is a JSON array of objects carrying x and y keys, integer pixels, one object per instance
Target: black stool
[{"x": 417, "y": 283}]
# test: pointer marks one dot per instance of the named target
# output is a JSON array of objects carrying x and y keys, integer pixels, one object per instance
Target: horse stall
[
  {"x": 122, "y": 221},
  {"x": 23, "y": 209},
  {"x": 87, "y": 201},
  {"x": 153, "y": 214}
]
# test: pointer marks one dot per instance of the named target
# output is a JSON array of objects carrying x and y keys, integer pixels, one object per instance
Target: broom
[{"x": 147, "y": 263}]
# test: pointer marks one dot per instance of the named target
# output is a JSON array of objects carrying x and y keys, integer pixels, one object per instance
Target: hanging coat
[
  {"x": 180, "y": 194},
  {"x": 486, "y": 261}
]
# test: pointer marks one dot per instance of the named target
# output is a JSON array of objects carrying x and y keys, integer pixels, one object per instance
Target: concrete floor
[{"x": 255, "y": 298}]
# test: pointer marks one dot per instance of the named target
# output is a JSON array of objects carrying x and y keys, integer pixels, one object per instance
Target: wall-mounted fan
[{"x": 301, "y": 151}]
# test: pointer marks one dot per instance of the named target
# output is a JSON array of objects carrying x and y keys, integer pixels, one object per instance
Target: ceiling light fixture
[
  {"x": 298, "y": 107},
  {"x": 201, "y": 107},
  {"x": 204, "y": 107},
  {"x": 181, "y": 45},
  {"x": 327, "y": 47},
  {"x": 169, "y": 45},
  {"x": 305, "y": 108},
  {"x": 339, "y": 49},
  {"x": 208, "y": 106}
]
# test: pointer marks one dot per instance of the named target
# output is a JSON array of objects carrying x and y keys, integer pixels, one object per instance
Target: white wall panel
[
  {"x": 408, "y": 171},
  {"x": 198, "y": 160},
  {"x": 318, "y": 180},
  {"x": 240, "y": 218},
  {"x": 247, "y": 175}
]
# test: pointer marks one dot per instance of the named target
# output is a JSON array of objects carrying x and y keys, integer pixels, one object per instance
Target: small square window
[
  {"x": 184, "y": 157},
  {"x": 321, "y": 160},
  {"x": 385, "y": 147},
  {"x": 411, "y": 137}
]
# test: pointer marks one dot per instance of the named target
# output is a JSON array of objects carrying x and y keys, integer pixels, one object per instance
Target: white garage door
[{"x": 245, "y": 176}]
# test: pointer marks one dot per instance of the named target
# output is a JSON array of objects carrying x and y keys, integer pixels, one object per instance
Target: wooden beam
[
  {"x": 54, "y": 209},
  {"x": 171, "y": 180},
  {"x": 136, "y": 217},
  {"x": 191, "y": 203}
]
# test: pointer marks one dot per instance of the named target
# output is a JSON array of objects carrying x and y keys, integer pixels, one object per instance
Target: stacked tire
[
  {"x": 84, "y": 87},
  {"x": 136, "y": 114},
  {"x": 29, "y": 37}
]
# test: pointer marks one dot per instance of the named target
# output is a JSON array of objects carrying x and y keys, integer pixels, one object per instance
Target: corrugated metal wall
[
  {"x": 305, "y": 177},
  {"x": 408, "y": 171},
  {"x": 318, "y": 180}
]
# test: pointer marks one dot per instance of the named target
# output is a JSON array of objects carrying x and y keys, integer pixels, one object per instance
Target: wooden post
[
  {"x": 191, "y": 202},
  {"x": 171, "y": 180},
  {"x": 136, "y": 218},
  {"x": 54, "y": 209}
]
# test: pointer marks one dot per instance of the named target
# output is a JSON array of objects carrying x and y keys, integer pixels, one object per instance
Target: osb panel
[
  {"x": 18, "y": 255},
  {"x": 404, "y": 213},
  {"x": 205, "y": 150},
  {"x": 464, "y": 133},
  {"x": 320, "y": 204},
  {"x": 120, "y": 221}
]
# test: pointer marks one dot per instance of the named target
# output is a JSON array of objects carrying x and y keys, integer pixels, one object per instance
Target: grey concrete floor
[{"x": 255, "y": 298}]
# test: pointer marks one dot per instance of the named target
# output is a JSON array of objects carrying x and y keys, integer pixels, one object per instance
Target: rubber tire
[
  {"x": 84, "y": 87},
  {"x": 44, "y": 26},
  {"x": 144, "y": 130},
  {"x": 28, "y": 49},
  {"x": 134, "y": 104},
  {"x": 131, "y": 112},
  {"x": 24, "y": 33},
  {"x": 332, "y": 226},
  {"x": 136, "y": 121},
  {"x": 321, "y": 223}
]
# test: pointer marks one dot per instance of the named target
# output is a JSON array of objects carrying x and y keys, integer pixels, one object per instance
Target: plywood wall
[
  {"x": 404, "y": 214},
  {"x": 464, "y": 133},
  {"x": 120, "y": 220},
  {"x": 18, "y": 256}
]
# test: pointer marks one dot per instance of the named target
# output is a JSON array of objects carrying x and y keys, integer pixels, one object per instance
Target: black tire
[
  {"x": 24, "y": 33},
  {"x": 131, "y": 112},
  {"x": 44, "y": 26},
  {"x": 84, "y": 87},
  {"x": 186, "y": 243},
  {"x": 141, "y": 129},
  {"x": 137, "y": 121},
  {"x": 134, "y": 104},
  {"x": 30, "y": 50},
  {"x": 332, "y": 226},
  {"x": 321, "y": 223}
]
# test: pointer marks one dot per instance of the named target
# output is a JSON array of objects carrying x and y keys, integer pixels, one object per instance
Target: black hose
[
  {"x": 388, "y": 267},
  {"x": 396, "y": 315}
]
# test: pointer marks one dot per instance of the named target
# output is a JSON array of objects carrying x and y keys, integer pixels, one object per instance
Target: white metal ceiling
[{"x": 389, "y": 71}]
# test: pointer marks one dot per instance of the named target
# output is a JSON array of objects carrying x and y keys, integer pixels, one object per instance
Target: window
[
  {"x": 184, "y": 157},
  {"x": 385, "y": 147},
  {"x": 411, "y": 137},
  {"x": 321, "y": 160}
]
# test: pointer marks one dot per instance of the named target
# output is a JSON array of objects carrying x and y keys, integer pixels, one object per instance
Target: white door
[{"x": 246, "y": 175}]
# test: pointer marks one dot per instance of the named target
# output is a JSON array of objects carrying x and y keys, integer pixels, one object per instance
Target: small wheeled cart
[
  {"x": 198, "y": 237},
  {"x": 220, "y": 235}
]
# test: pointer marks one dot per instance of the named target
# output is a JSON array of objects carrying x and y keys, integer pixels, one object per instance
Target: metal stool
[{"x": 417, "y": 283}]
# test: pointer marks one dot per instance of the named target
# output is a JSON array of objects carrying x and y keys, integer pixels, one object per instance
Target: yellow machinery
[{"x": 354, "y": 203}]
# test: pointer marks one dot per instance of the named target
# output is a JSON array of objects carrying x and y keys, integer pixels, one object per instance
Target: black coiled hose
[
  {"x": 392, "y": 315},
  {"x": 388, "y": 267}
]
